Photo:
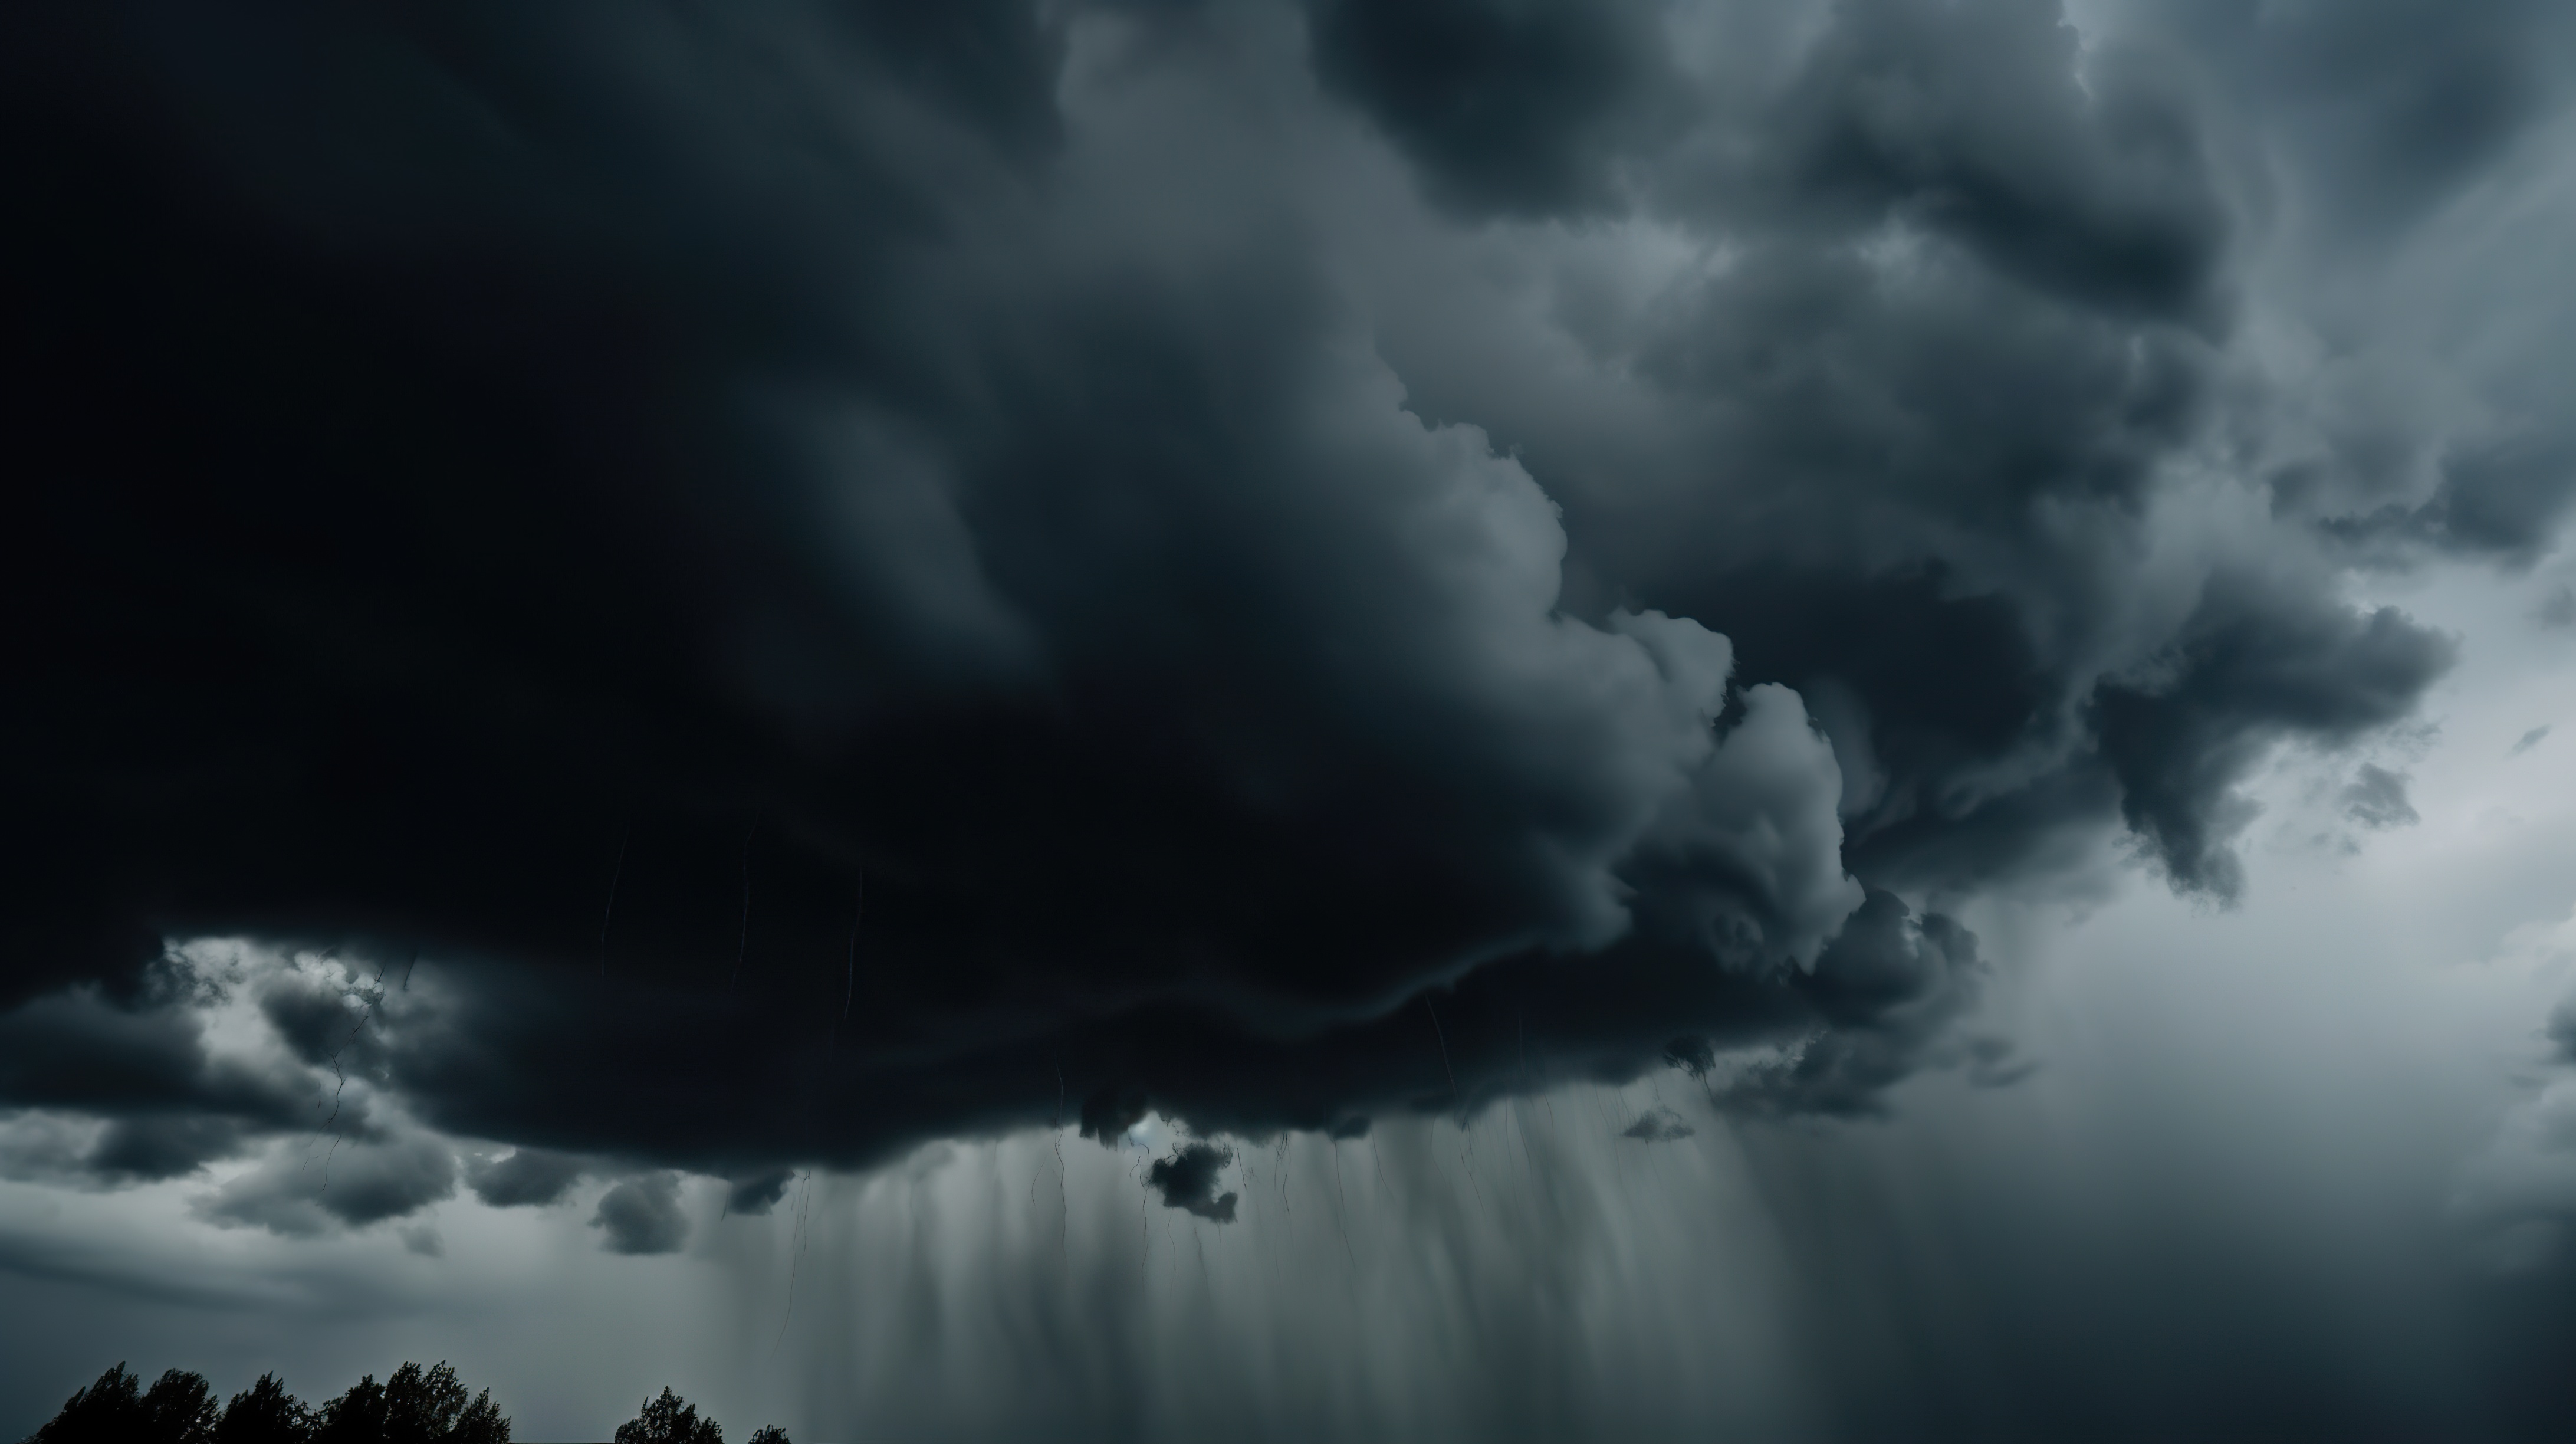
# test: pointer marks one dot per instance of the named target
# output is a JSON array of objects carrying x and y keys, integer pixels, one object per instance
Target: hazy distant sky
[{"x": 1426, "y": 719}]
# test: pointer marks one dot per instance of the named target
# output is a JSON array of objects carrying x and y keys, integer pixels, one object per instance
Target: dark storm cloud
[
  {"x": 1975, "y": 121},
  {"x": 990, "y": 62},
  {"x": 1188, "y": 1180},
  {"x": 759, "y": 1193},
  {"x": 145, "y": 1149},
  {"x": 79, "y": 1050},
  {"x": 840, "y": 577},
  {"x": 642, "y": 1216},
  {"x": 524, "y": 1177},
  {"x": 2367, "y": 130},
  {"x": 1884, "y": 996},
  {"x": 1974, "y": 317},
  {"x": 2246, "y": 670},
  {"x": 1970, "y": 317},
  {"x": 141, "y": 1148},
  {"x": 309, "y": 1187},
  {"x": 1113, "y": 1110},
  {"x": 2503, "y": 501},
  {"x": 1513, "y": 106},
  {"x": 313, "y": 1016},
  {"x": 2386, "y": 107},
  {"x": 173, "y": 1103}
]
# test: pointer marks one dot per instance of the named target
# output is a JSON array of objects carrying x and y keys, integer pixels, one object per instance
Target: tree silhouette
[
  {"x": 769, "y": 1434},
  {"x": 177, "y": 1409},
  {"x": 265, "y": 1413},
  {"x": 430, "y": 1407},
  {"x": 356, "y": 1417},
  {"x": 421, "y": 1406},
  {"x": 106, "y": 1410},
  {"x": 415, "y": 1406},
  {"x": 669, "y": 1420}
]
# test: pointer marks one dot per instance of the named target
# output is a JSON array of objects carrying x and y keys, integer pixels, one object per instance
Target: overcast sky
[{"x": 1444, "y": 718}]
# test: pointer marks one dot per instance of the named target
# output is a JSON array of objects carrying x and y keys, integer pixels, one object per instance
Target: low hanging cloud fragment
[
  {"x": 642, "y": 1215},
  {"x": 147, "y": 1149},
  {"x": 1658, "y": 1125},
  {"x": 524, "y": 1177},
  {"x": 756, "y": 665},
  {"x": 759, "y": 1193},
  {"x": 1188, "y": 1180},
  {"x": 302, "y": 1189}
]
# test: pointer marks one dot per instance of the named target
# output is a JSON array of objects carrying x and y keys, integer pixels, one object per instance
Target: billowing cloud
[
  {"x": 524, "y": 1176},
  {"x": 1505, "y": 105},
  {"x": 140, "y": 1064},
  {"x": 309, "y": 1186},
  {"x": 1885, "y": 995},
  {"x": 786, "y": 583}
]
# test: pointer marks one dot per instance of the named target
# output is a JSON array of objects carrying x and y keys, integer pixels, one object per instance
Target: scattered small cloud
[
  {"x": 2377, "y": 798},
  {"x": 2528, "y": 740}
]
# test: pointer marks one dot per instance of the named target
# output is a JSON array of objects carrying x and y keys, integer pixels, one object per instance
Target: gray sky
[{"x": 1459, "y": 719}]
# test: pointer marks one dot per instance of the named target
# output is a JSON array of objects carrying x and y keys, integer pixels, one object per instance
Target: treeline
[{"x": 415, "y": 1406}]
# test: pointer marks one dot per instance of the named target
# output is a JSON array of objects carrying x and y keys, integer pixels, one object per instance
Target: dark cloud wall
[{"x": 841, "y": 573}]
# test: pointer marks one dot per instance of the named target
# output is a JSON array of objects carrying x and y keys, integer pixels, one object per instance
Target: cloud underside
[{"x": 845, "y": 579}]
